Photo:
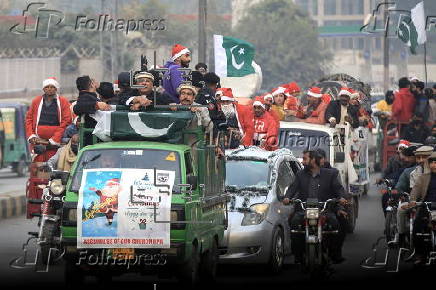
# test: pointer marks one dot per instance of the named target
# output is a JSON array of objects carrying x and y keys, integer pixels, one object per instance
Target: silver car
[{"x": 258, "y": 230}]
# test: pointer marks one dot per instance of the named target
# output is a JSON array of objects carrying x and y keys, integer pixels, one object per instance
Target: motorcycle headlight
[
  {"x": 72, "y": 215},
  {"x": 56, "y": 187},
  {"x": 433, "y": 215},
  {"x": 256, "y": 215},
  {"x": 312, "y": 213}
]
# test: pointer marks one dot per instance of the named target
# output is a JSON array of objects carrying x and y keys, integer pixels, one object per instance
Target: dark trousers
[
  {"x": 420, "y": 225},
  {"x": 333, "y": 242}
]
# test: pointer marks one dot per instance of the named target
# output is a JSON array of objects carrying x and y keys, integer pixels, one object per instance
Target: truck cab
[{"x": 148, "y": 193}]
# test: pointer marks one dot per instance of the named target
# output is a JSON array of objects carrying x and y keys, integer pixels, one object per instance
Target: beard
[
  {"x": 228, "y": 110},
  {"x": 184, "y": 63}
]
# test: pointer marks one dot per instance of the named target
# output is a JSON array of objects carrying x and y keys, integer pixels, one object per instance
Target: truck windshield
[
  {"x": 298, "y": 140},
  {"x": 246, "y": 173},
  {"x": 127, "y": 159}
]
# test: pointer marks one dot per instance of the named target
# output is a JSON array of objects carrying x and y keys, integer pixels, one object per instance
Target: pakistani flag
[
  {"x": 151, "y": 126},
  {"x": 411, "y": 29},
  {"x": 234, "y": 63}
]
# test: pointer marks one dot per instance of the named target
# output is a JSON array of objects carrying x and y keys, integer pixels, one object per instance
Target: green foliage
[{"x": 286, "y": 41}]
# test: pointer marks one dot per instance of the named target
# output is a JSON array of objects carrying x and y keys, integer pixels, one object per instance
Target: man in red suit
[
  {"x": 47, "y": 118},
  {"x": 265, "y": 128},
  {"x": 404, "y": 102}
]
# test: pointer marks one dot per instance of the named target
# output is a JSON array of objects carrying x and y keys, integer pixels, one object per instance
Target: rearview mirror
[
  {"x": 339, "y": 157},
  {"x": 192, "y": 180}
]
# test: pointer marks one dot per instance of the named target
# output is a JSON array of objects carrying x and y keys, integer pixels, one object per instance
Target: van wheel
[
  {"x": 277, "y": 252},
  {"x": 188, "y": 274},
  {"x": 74, "y": 275},
  {"x": 209, "y": 264}
]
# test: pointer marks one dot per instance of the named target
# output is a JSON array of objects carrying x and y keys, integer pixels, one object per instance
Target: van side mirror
[
  {"x": 339, "y": 157},
  {"x": 192, "y": 180}
]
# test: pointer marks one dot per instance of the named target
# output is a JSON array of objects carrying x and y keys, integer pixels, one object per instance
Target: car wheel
[{"x": 277, "y": 252}]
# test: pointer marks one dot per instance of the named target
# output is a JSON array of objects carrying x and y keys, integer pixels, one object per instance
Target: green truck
[{"x": 150, "y": 198}]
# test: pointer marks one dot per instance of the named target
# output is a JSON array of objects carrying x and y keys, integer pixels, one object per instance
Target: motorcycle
[
  {"x": 53, "y": 197},
  {"x": 428, "y": 234},
  {"x": 316, "y": 260}
]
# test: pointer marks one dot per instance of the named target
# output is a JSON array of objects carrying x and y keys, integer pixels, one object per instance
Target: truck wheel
[
  {"x": 188, "y": 273},
  {"x": 74, "y": 275},
  {"x": 277, "y": 252},
  {"x": 21, "y": 168},
  {"x": 48, "y": 233},
  {"x": 209, "y": 264}
]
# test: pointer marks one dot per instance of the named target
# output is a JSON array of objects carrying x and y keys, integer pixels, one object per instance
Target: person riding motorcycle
[
  {"x": 423, "y": 191},
  {"x": 322, "y": 184}
]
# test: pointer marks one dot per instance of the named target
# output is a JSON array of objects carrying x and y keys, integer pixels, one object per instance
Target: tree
[{"x": 286, "y": 41}]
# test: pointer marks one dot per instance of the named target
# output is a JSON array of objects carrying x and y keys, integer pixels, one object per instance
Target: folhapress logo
[
  {"x": 40, "y": 20},
  {"x": 45, "y": 18}
]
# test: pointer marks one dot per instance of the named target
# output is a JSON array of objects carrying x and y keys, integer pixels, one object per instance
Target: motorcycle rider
[
  {"x": 424, "y": 190},
  {"x": 323, "y": 184}
]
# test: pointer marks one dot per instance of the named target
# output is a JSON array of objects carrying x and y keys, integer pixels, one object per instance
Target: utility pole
[
  {"x": 386, "y": 82},
  {"x": 202, "y": 22}
]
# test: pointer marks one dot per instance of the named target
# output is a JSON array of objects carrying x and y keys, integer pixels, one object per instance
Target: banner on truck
[{"x": 116, "y": 208}]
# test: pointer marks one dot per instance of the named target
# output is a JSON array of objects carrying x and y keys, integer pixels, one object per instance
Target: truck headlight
[
  {"x": 256, "y": 215},
  {"x": 56, "y": 186},
  {"x": 72, "y": 215}
]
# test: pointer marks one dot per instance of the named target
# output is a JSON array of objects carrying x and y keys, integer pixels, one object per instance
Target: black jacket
[
  {"x": 329, "y": 185},
  {"x": 86, "y": 105},
  {"x": 205, "y": 96},
  {"x": 416, "y": 135},
  {"x": 334, "y": 110}
]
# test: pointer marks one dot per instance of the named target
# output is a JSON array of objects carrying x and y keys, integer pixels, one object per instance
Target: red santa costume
[
  {"x": 291, "y": 103},
  {"x": 53, "y": 132},
  {"x": 109, "y": 198},
  {"x": 265, "y": 129}
]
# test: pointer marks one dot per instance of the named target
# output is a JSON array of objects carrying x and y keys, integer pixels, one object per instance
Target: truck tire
[
  {"x": 189, "y": 272},
  {"x": 209, "y": 264},
  {"x": 277, "y": 252},
  {"x": 74, "y": 276},
  {"x": 49, "y": 231}
]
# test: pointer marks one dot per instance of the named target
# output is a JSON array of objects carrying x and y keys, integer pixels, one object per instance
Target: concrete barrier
[{"x": 12, "y": 204}]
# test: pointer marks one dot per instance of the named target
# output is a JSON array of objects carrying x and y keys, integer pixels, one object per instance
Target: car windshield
[
  {"x": 299, "y": 140},
  {"x": 247, "y": 173},
  {"x": 127, "y": 159}
]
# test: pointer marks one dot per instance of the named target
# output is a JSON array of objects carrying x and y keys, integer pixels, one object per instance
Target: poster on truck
[{"x": 125, "y": 208}]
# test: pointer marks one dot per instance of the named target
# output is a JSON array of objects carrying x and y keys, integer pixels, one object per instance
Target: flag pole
[{"x": 425, "y": 62}]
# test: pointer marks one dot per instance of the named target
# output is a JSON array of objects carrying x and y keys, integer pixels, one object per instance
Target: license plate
[{"x": 123, "y": 254}]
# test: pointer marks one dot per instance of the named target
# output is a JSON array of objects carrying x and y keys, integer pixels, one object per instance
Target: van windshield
[
  {"x": 242, "y": 174},
  {"x": 298, "y": 140},
  {"x": 127, "y": 159}
]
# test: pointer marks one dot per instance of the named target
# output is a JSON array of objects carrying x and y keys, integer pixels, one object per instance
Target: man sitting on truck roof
[
  {"x": 265, "y": 128},
  {"x": 145, "y": 95},
  {"x": 187, "y": 93},
  {"x": 341, "y": 111},
  {"x": 314, "y": 112}
]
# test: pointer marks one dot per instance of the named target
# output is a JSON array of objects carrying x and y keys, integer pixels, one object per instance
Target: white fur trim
[
  {"x": 332, "y": 119},
  {"x": 344, "y": 92},
  {"x": 52, "y": 142},
  {"x": 50, "y": 82},
  {"x": 31, "y": 136},
  {"x": 258, "y": 103},
  {"x": 309, "y": 93},
  {"x": 180, "y": 53},
  {"x": 225, "y": 98},
  {"x": 280, "y": 90}
]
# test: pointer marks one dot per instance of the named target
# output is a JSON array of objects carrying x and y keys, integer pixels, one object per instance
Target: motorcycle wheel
[
  {"x": 48, "y": 233},
  {"x": 390, "y": 226},
  {"x": 277, "y": 252}
]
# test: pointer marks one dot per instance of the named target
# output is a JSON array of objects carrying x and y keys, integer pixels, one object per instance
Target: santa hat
[
  {"x": 292, "y": 88},
  {"x": 259, "y": 104},
  {"x": 50, "y": 81},
  {"x": 277, "y": 91},
  {"x": 187, "y": 86},
  {"x": 178, "y": 50},
  {"x": 403, "y": 144},
  {"x": 314, "y": 92},
  {"x": 354, "y": 94},
  {"x": 113, "y": 181},
  {"x": 226, "y": 94},
  {"x": 345, "y": 91}
]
